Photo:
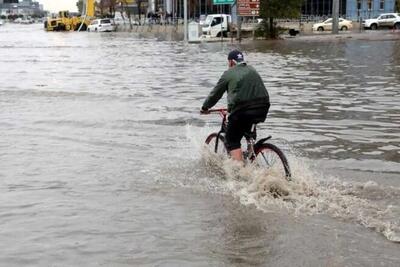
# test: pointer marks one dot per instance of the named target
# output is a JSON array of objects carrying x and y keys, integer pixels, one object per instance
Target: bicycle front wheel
[
  {"x": 217, "y": 143},
  {"x": 272, "y": 158}
]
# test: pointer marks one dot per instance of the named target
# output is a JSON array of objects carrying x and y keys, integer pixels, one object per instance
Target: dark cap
[{"x": 236, "y": 55}]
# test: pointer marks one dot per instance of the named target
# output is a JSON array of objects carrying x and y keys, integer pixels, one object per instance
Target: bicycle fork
[
  {"x": 217, "y": 141},
  {"x": 250, "y": 153}
]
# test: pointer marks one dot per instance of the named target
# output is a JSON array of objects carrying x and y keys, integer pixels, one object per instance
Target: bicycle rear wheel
[
  {"x": 217, "y": 143},
  {"x": 272, "y": 158}
]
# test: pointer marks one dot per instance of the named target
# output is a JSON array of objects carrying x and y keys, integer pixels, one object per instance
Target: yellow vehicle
[{"x": 65, "y": 22}]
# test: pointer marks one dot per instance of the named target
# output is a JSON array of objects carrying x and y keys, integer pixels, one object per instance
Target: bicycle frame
[
  {"x": 254, "y": 147},
  {"x": 251, "y": 137},
  {"x": 222, "y": 112}
]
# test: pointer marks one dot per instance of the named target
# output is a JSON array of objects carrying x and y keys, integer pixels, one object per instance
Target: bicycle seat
[{"x": 253, "y": 132}]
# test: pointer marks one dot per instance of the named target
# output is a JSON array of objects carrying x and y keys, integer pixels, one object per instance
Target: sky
[{"x": 57, "y": 5}]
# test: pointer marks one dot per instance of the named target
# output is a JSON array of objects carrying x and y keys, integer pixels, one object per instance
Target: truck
[
  {"x": 216, "y": 25},
  {"x": 65, "y": 22}
]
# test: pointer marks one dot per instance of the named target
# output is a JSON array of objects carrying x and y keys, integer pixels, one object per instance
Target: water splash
[{"x": 309, "y": 193}]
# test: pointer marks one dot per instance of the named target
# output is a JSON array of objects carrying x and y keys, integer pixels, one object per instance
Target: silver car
[{"x": 390, "y": 20}]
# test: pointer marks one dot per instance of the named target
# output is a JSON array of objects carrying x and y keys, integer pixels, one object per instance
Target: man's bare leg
[{"x": 236, "y": 154}]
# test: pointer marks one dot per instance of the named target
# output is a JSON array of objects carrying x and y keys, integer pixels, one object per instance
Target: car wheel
[
  {"x": 344, "y": 28},
  {"x": 320, "y": 29},
  {"x": 374, "y": 27},
  {"x": 397, "y": 26}
]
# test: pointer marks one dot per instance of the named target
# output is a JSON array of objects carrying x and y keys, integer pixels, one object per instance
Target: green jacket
[{"x": 244, "y": 86}]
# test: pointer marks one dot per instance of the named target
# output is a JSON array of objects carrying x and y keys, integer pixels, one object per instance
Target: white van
[{"x": 217, "y": 24}]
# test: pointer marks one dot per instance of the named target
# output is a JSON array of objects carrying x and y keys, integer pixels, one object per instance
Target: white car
[
  {"x": 391, "y": 20},
  {"x": 344, "y": 25},
  {"x": 101, "y": 25}
]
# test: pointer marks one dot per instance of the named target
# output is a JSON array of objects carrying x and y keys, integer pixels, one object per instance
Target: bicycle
[{"x": 264, "y": 154}]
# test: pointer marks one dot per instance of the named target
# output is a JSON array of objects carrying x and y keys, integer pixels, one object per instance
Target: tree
[
  {"x": 106, "y": 7},
  {"x": 112, "y": 6},
  {"x": 274, "y": 9},
  {"x": 79, "y": 4},
  {"x": 125, "y": 7},
  {"x": 139, "y": 4},
  {"x": 101, "y": 6},
  {"x": 397, "y": 6}
]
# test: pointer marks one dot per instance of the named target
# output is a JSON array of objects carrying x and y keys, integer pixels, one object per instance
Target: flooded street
[{"x": 102, "y": 159}]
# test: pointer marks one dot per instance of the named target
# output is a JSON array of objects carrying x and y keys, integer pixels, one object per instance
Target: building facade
[
  {"x": 21, "y": 7},
  {"x": 362, "y": 9},
  {"x": 322, "y": 8},
  {"x": 351, "y": 9}
]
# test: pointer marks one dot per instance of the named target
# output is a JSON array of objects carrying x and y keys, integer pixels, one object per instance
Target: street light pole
[
  {"x": 185, "y": 21},
  {"x": 335, "y": 17},
  {"x": 199, "y": 9}
]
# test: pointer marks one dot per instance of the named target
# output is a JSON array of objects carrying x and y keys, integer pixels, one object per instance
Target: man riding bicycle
[{"x": 248, "y": 100}]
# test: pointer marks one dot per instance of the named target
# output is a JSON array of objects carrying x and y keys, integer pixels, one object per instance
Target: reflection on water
[{"x": 98, "y": 165}]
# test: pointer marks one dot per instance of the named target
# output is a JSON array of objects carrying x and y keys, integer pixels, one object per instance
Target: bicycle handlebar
[{"x": 222, "y": 111}]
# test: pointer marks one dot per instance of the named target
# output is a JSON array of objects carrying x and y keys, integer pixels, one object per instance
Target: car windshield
[
  {"x": 328, "y": 21},
  {"x": 94, "y": 22},
  {"x": 208, "y": 20},
  {"x": 375, "y": 17},
  {"x": 104, "y": 21}
]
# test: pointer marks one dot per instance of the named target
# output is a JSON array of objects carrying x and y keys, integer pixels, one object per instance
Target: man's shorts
[{"x": 240, "y": 122}]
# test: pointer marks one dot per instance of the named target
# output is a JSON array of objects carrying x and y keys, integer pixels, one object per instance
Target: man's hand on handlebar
[{"x": 204, "y": 111}]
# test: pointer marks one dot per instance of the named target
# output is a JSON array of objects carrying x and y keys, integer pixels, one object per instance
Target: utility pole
[
  {"x": 185, "y": 21},
  {"x": 239, "y": 23},
  {"x": 199, "y": 9},
  {"x": 239, "y": 28},
  {"x": 335, "y": 17}
]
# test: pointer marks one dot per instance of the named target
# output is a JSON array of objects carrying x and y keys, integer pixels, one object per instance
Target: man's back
[{"x": 245, "y": 88}]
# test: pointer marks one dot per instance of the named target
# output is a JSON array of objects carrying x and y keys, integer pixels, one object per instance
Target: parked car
[
  {"x": 252, "y": 21},
  {"x": 391, "y": 20},
  {"x": 344, "y": 25},
  {"x": 24, "y": 21},
  {"x": 101, "y": 25}
]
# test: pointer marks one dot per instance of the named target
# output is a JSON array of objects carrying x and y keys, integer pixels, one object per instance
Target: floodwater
[{"x": 102, "y": 162}]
